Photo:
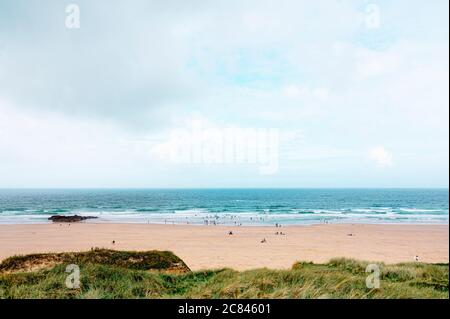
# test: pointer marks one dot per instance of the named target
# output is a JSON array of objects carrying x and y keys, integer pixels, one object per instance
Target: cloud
[
  {"x": 372, "y": 63},
  {"x": 295, "y": 91},
  {"x": 141, "y": 63},
  {"x": 122, "y": 66},
  {"x": 381, "y": 156},
  {"x": 112, "y": 89}
]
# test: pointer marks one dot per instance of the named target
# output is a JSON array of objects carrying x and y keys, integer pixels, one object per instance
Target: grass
[
  {"x": 149, "y": 260},
  {"x": 116, "y": 274}
]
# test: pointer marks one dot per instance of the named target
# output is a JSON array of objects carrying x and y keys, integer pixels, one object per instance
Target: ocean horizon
[{"x": 228, "y": 206}]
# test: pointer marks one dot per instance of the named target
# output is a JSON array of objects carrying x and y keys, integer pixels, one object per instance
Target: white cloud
[
  {"x": 296, "y": 91},
  {"x": 381, "y": 156},
  {"x": 102, "y": 98},
  {"x": 373, "y": 63}
]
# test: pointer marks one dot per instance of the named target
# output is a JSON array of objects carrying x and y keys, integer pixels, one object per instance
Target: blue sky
[{"x": 358, "y": 91}]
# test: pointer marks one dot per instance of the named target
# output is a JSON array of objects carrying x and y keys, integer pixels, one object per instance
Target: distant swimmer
[{"x": 263, "y": 241}]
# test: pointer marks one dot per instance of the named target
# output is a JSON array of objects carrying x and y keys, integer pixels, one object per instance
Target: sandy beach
[{"x": 203, "y": 247}]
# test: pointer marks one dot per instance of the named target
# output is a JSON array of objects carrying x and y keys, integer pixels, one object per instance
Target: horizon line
[{"x": 218, "y": 188}]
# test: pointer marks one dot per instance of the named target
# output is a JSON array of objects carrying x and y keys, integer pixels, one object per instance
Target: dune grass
[
  {"x": 110, "y": 274},
  {"x": 148, "y": 260}
]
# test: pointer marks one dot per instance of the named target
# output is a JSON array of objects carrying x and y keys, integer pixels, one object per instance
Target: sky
[{"x": 326, "y": 93}]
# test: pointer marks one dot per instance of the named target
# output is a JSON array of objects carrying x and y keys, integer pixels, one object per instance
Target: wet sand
[{"x": 207, "y": 247}]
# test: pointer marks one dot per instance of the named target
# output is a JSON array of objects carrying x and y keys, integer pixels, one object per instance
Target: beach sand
[{"x": 208, "y": 247}]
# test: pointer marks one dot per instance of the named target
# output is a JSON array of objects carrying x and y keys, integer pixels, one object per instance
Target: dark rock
[{"x": 69, "y": 219}]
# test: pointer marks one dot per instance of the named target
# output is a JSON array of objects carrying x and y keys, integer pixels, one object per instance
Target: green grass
[{"x": 114, "y": 274}]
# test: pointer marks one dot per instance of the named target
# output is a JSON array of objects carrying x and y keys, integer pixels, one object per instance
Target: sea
[{"x": 254, "y": 207}]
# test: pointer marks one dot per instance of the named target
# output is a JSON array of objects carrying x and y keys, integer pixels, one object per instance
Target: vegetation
[
  {"x": 116, "y": 274},
  {"x": 150, "y": 260}
]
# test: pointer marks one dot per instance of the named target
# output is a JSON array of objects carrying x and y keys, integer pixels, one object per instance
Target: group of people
[{"x": 264, "y": 240}]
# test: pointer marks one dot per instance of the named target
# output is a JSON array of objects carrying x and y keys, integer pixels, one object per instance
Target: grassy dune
[{"x": 115, "y": 274}]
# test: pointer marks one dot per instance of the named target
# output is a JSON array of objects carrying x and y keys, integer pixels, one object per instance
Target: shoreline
[
  {"x": 123, "y": 222},
  {"x": 210, "y": 247}
]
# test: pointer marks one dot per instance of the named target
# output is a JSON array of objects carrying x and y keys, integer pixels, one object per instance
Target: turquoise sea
[{"x": 228, "y": 206}]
